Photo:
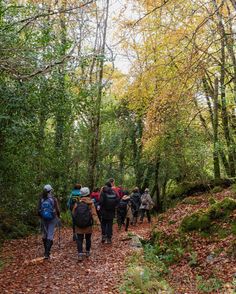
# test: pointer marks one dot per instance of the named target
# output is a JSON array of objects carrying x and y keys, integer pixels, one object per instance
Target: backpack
[
  {"x": 47, "y": 209},
  {"x": 82, "y": 215},
  {"x": 123, "y": 204},
  {"x": 110, "y": 201}
]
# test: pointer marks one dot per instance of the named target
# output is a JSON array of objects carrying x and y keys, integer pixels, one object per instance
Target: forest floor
[
  {"x": 24, "y": 270},
  {"x": 207, "y": 259}
]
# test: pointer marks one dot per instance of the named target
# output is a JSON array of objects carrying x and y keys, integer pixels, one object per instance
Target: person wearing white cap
[
  {"x": 48, "y": 210},
  {"x": 84, "y": 214}
]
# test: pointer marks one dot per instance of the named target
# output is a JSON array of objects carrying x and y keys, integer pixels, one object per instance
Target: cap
[
  {"x": 84, "y": 191},
  {"x": 48, "y": 188}
]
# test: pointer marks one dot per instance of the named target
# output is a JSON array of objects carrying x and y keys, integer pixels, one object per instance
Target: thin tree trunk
[
  {"x": 215, "y": 133},
  {"x": 92, "y": 168}
]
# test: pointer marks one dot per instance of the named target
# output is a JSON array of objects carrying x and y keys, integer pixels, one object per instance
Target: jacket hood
[
  {"x": 75, "y": 192},
  {"x": 86, "y": 199}
]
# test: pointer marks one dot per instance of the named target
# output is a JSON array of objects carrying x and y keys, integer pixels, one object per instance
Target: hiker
[
  {"x": 95, "y": 196},
  {"x": 48, "y": 210},
  {"x": 108, "y": 203},
  {"x": 135, "y": 199},
  {"x": 84, "y": 215},
  {"x": 124, "y": 213},
  {"x": 74, "y": 196},
  {"x": 146, "y": 205},
  {"x": 118, "y": 190}
]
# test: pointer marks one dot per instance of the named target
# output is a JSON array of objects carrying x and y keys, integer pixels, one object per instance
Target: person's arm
[
  {"x": 94, "y": 213},
  {"x": 39, "y": 206},
  {"x": 150, "y": 199}
]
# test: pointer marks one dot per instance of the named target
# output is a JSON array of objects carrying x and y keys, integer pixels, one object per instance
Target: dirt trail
[{"x": 25, "y": 272}]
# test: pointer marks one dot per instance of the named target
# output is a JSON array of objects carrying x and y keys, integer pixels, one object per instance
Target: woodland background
[{"x": 68, "y": 114}]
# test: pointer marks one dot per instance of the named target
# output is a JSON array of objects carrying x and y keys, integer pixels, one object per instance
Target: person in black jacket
[
  {"x": 108, "y": 203},
  {"x": 135, "y": 199}
]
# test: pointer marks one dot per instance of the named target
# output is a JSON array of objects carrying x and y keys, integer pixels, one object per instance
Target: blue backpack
[{"x": 47, "y": 209}]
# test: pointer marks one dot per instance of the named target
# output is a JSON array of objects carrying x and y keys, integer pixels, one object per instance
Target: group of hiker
[{"x": 99, "y": 207}]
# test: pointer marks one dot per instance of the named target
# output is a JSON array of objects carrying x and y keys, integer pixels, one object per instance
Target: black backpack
[
  {"x": 82, "y": 215},
  {"x": 123, "y": 204},
  {"x": 111, "y": 200}
]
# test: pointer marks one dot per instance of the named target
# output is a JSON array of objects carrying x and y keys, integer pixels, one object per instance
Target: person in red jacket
[{"x": 118, "y": 189}]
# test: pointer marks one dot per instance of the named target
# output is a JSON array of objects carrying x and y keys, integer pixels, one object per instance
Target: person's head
[
  {"x": 108, "y": 184},
  {"x": 77, "y": 186},
  {"x": 126, "y": 192},
  {"x": 136, "y": 189},
  {"x": 46, "y": 190},
  {"x": 146, "y": 190},
  {"x": 112, "y": 181},
  {"x": 96, "y": 190},
  {"x": 84, "y": 192}
]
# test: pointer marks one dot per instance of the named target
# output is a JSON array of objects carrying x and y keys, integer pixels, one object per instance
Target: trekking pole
[
  {"x": 59, "y": 233},
  {"x": 39, "y": 232}
]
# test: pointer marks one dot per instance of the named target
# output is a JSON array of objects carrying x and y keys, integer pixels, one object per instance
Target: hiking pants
[
  {"x": 80, "y": 239},
  {"x": 48, "y": 228},
  {"x": 106, "y": 226},
  {"x": 143, "y": 213},
  {"x": 120, "y": 218},
  {"x": 127, "y": 223}
]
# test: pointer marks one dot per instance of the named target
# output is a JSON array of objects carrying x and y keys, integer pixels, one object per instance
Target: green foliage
[
  {"x": 191, "y": 200},
  {"x": 66, "y": 218},
  {"x": 168, "y": 249},
  {"x": 208, "y": 286},
  {"x": 217, "y": 189},
  {"x": 193, "y": 259},
  {"x": 145, "y": 274},
  {"x": 202, "y": 219}
]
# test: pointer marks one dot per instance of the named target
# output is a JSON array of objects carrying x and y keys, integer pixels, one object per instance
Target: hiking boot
[
  {"x": 87, "y": 254},
  {"x": 103, "y": 238},
  {"x": 80, "y": 257},
  {"x": 108, "y": 241},
  {"x": 48, "y": 248}
]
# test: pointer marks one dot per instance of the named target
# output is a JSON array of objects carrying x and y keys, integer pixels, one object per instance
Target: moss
[
  {"x": 212, "y": 200},
  {"x": 191, "y": 201},
  {"x": 197, "y": 221},
  {"x": 217, "y": 189},
  {"x": 222, "y": 208},
  {"x": 202, "y": 219}
]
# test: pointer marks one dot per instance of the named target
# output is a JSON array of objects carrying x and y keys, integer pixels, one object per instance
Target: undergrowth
[{"x": 145, "y": 274}]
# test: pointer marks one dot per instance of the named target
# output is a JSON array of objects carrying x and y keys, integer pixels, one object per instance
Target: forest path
[{"x": 26, "y": 272}]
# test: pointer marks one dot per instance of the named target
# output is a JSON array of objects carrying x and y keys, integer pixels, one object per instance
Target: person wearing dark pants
[
  {"x": 80, "y": 239},
  {"x": 146, "y": 205},
  {"x": 142, "y": 214},
  {"x": 108, "y": 202},
  {"x": 84, "y": 215},
  {"x": 106, "y": 225}
]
